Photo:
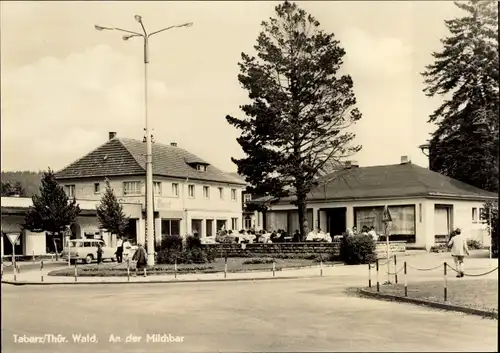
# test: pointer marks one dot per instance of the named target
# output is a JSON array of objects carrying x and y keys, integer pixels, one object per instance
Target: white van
[{"x": 86, "y": 250}]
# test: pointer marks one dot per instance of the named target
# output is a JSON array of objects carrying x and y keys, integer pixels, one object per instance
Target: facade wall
[{"x": 462, "y": 216}]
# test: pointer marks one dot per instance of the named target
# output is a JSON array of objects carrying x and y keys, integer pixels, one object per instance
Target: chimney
[
  {"x": 351, "y": 164},
  {"x": 173, "y": 144},
  {"x": 405, "y": 160},
  {"x": 112, "y": 135}
]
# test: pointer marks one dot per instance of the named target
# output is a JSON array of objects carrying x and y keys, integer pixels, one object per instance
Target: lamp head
[
  {"x": 99, "y": 28},
  {"x": 138, "y": 18}
]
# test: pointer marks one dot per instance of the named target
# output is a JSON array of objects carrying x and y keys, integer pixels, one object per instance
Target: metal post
[
  {"x": 388, "y": 258},
  {"x": 490, "y": 231},
  {"x": 225, "y": 267},
  {"x": 378, "y": 282},
  {"x": 175, "y": 267},
  {"x": 69, "y": 254},
  {"x": 14, "y": 262},
  {"x": 128, "y": 270},
  {"x": 76, "y": 273},
  {"x": 33, "y": 256},
  {"x": 395, "y": 269},
  {"x": 321, "y": 268},
  {"x": 274, "y": 267},
  {"x": 445, "y": 283},
  {"x": 406, "y": 280},
  {"x": 41, "y": 268},
  {"x": 369, "y": 275}
]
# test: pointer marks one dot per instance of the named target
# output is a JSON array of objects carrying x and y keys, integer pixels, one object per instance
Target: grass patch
[
  {"x": 475, "y": 293},
  {"x": 233, "y": 265}
]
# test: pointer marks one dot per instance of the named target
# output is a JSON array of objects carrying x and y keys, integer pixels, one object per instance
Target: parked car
[{"x": 86, "y": 250}]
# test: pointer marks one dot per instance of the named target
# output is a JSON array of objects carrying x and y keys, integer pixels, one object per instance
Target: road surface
[{"x": 302, "y": 315}]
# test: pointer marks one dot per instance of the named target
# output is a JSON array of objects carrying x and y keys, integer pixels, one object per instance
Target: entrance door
[
  {"x": 442, "y": 223},
  {"x": 336, "y": 224}
]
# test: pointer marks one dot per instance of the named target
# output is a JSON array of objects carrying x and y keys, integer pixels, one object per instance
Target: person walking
[
  {"x": 459, "y": 250},
  {"x": 141, "y": 259},
  {"x": 99, "y": 253},
  {"x": 119, "y": 250},
  {"x": 126, "y": 248}
]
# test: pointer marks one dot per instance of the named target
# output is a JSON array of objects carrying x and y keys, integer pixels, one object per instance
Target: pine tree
[
  {"x": 52, "y": 211},
  {"x": 295, "y": 126},
  {"x": 110, "y": 213},
  {"x": 465, "y": 73}
]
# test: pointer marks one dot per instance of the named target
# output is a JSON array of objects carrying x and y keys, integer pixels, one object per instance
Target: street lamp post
[{"x": 149, "y": 143}]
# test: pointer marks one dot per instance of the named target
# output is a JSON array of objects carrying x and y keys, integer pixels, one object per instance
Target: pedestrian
[
  {"x": 459, "y": 250},
  {"x": 126, "y": 248},
  {"x": 119, "y": 250},
  {"x": 99, "y": 253},
  {"x": 141, "y": 259}
]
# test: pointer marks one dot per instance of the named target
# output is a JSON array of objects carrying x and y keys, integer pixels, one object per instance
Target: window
[
  {"x": 221, "y": 193},
  {"x": 483, "y": 215},
  {"x": 234, "y": 223},
  {"x": 132, "y": 188},
  {"x": 233, "y": 194},
  {"x": 247, "y": 197},
  {"x": 206, "y": 192},
  {"x": 170, "y": 227},
  {"x": 221, "y": 224},
  {"x": 157, "y": 188},
  {"x": 474, "y": 214},
  {"x": 70, "y": 190},
  {"x": 191, "y": 191},
  {"x": 175, "y": 189},
  {"x": 209, "y": 226},
  {"x": 248, "y": 222},
  {"x": 196, "y": 227},
  {"x": 201, "y": 167},
  {"x": 97, "y": 188}
]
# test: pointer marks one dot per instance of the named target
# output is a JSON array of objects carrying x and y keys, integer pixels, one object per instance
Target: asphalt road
[{"x": 285, "y": 315}]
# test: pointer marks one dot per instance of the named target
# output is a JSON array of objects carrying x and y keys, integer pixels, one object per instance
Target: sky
[{"x": 64, "y": 85}]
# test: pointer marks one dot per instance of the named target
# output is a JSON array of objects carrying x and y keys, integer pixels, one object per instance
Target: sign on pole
[
  {"x": 13, "y": 238},
  {"x": 386, "y": 216}
]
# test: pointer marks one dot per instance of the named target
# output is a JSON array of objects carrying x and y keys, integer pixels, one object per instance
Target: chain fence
[{"x": 405, "y": 267}]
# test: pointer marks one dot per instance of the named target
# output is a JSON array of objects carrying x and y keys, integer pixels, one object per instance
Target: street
[{"x": 283, "y": 315}]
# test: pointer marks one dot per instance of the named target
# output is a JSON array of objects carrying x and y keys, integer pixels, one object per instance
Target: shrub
[
  {"x": 185, "y": 256},
  {"x": 474, "y": 244},
  {"x": 440, "y": 248},
  {"x": 193, "y": 242},
  {"x": 262, "y": 260},
  {"x": 171, "y": 242},
  {"x": 357, "y": 249}
]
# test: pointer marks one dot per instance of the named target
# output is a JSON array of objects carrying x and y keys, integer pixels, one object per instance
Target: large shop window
[{"x": 402, "y": 226}]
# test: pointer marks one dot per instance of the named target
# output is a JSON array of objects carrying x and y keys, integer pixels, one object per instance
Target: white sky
[{"x": 65, "y": 85}]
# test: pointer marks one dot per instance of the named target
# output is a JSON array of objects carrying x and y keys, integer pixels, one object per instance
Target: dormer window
[{"x": 201, "y": 167}]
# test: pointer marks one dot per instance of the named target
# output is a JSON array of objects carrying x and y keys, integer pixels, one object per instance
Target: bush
[
  {"x": 262, "y": 260},
  {"x": 474, "y": 244},
  {"x": 193, "y": 242},
  {"x": 171, "y": 242},
  {"x": 357, "y": 249},
  {"x": 185, "y": 256}
]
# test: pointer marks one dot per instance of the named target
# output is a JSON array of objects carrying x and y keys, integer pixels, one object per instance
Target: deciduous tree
[{"x": 301, "y": 106}]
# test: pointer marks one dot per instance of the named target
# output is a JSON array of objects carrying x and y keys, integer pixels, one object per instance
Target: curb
[
  {"x": 157, "y": 281},
  {"x": 443, "y": 306}
]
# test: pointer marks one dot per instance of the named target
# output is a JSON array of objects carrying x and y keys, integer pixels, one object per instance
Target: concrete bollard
[
  {"x": 76, "y": 273},
  {"x": 225, "y": 267},
  {"x": 321, "y": 268},
  {"x": 33, "y": 256},
  {"x": 274, "y": 267}
]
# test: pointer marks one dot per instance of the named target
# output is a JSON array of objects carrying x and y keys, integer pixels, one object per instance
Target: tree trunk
[{"x": 303, "y": 223}]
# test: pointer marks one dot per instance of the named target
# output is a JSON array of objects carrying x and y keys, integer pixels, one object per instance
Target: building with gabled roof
[
  {"x": 191, "y": 195},
  {"x": 425, "y": 206}
]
